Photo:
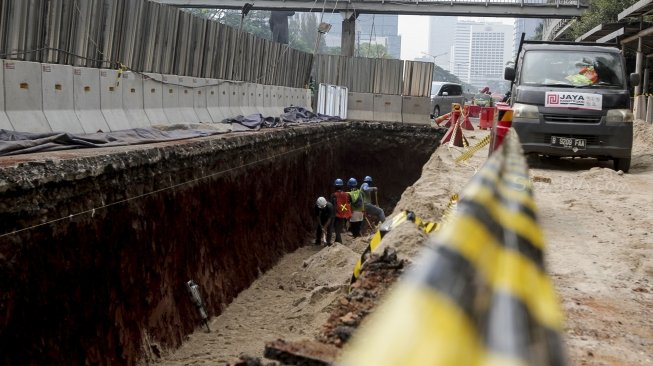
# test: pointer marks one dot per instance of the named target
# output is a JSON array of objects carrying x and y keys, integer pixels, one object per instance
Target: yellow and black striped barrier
[
  {"x": 479, "y": 294},
  {"x": 468, "y": 153},
  {"x": 386, "y": 227}
]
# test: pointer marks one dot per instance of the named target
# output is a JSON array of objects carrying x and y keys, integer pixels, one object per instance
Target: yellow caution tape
[
  {"x": 397, "y": 220},
  {"x": 468, "y": 153},
  {"x": 479, "y": 294}
]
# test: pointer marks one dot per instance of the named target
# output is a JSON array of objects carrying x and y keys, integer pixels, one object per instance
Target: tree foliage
[
  {"x": 303, "y": 32},
  {"x": 373, "y": 50},
  {"x": 255, "y": 22},
  {"x": 599, "y": 11}
]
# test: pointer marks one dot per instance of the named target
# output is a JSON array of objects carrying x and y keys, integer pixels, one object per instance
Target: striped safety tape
[
  {"x": 385, "y": 228},
  {"x": 468, "y": 153},
  {"x": 479, "y": 294}
]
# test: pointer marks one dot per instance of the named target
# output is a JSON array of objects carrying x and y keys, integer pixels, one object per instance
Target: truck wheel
[
  {"x": 436, "y": 111},
  {"x": 622, "y": 164}
]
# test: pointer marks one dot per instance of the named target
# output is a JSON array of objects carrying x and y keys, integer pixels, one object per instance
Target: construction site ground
[{"x": 598, "y": 224}]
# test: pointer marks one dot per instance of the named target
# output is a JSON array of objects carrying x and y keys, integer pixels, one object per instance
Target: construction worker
[
  {"x": 342, "y": 204},
  {"x": 357, "y": 208},
  {"x": 324, "y": 214},
  {"x": 366, "y": 191}
]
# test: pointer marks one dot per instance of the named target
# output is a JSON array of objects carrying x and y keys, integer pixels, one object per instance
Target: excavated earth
[{"x": 96, "y": 245}]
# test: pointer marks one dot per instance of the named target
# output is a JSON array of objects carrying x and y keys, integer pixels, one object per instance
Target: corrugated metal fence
[
  {"x": 373, "y": 75},
  {"x": 146, "y": 37}
]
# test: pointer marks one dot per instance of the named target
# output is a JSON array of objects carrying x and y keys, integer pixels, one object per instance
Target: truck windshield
[{"x": 572, "y": 69}]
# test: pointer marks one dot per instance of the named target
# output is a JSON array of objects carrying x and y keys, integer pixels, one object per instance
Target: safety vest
[{"x": 343, "y": 207}]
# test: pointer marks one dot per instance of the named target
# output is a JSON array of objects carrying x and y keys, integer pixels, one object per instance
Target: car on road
[
  {"x": 443, "y": 94},
  {"x": 573, "y": 99}
]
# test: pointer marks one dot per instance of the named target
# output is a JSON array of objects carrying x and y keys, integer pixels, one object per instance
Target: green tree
[
  {"x": 303, "y": 32},
  {"x": 599, "y": 11},
  {"x": 255, "y": 22},
  {"x": 373, "y": 50}
]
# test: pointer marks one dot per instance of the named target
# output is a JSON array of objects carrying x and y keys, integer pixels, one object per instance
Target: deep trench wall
[{"x": 89, "y": 288}]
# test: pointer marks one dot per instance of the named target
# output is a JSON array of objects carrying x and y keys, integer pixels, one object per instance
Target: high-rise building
[
  {"x": 527, "y": 26},
  {"x": 370, "y": 28},
  {"x": 442, "y": 31},
  {"x": 480, "y": 52}
]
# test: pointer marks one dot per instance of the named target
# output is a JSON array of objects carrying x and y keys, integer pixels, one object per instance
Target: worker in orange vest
[{"x": 342, "y": 205}]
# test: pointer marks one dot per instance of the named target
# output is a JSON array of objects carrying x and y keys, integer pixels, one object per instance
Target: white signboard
[{"x": 574, "y": 100}]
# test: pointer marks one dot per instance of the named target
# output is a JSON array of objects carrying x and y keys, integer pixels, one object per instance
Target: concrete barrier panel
[
  {"x": 214, "y": 100},
  {"x": 153, "y": 99},
  {"x": 58, "y": 98},
  {"x": 360, "y": 106},
  {"x": 259, "y": 101},
  {"x": 235, "y": 99},
  {"x": 277, "y": 100},
  {"x": 387, "y": 108},
  {"x": 308, "y": 101},
  {"x": 24, "y": 97},
  {"x": 199, "y": 99},
  {"x": 132, "y": 100},
  {"x": 224, "y": 95},
  {"x": 249, "y": 105},
  {"x": 171, "y": 99},
  {"x": 111, "y": 100},
  {"x": 186, "y": 103},
  {"x": 86, "y": 92},
  {"x": 416, "y": 109},
  {"x": 268, "y": 110},
  {"x": 4, "y": 120}
]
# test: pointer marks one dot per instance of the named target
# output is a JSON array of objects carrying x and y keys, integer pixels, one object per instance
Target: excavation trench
[{"x": 101, "y": 242}]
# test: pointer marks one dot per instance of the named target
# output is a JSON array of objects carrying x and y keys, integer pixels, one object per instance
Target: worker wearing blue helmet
[
  {"x": 366, "y": 189},
  {"x": 357, "y": 207},
  {"x": 342, "y": 204}
]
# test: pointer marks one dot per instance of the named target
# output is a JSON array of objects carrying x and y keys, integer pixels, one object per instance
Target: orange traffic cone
[
  {"x": 466, "y": 123},
  {"x": 442, "y": 118},
  {"x": 454, "y": 133},
  {"x": 455, "y": 115}
]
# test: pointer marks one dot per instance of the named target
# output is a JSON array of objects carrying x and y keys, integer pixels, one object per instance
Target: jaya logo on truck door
[{"x": 574, "y": 100}]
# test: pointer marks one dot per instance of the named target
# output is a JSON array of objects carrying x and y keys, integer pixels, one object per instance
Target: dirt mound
[{"x": 642, "y": 134}]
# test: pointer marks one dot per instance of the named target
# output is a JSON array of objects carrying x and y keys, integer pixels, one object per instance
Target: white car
[{"x": 443, "y": 94}]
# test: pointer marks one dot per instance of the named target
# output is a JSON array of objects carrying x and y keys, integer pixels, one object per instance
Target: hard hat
[
  {"x": 321, "y": 202},
  {"x": 339, "y": 183},
  {"x": 367, "y": 179},
  {"x": 352, "y": 182}
]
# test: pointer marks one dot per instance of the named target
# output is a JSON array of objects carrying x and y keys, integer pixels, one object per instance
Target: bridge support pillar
[
  {"x": 348, "y": 40},
  {"x": 639, "y": 64}
]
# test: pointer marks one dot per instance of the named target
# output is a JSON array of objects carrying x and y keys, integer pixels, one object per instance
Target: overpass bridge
[{"x": 558, "y": 9}]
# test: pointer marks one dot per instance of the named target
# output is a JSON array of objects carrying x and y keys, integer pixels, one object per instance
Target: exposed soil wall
[{"x": 116, "y": 233}]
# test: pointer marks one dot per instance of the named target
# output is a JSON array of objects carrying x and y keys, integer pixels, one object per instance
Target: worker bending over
[
  {"x": 324, "y": 213},
  {"x": 366, "y": 191}
]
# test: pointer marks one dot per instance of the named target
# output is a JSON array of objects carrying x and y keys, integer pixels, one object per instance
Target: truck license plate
[{"x": 568, "y": 142}]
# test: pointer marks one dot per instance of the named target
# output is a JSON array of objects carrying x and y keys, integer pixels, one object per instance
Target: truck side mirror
[
  {"x": 634, "y": 79},
  {"x": 509, "y": 73}
]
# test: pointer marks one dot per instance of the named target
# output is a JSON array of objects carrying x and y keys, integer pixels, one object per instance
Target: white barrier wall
[
  {"x": 416, "y": 109},
  {"x": 153, "y": 99},
  {"x": 224, "y": 95},
  {"x": 171, "y": 99},
  {"x": 236, "y": 96},
  {"x": 249, "y": 102},
  {"x": 360, "y": 106},
  {"x": 4, "y": 120},
  {"x": 200, "y": 102},
  {"x": 267, "y": 101},
  {"x": 186, "y": 103},
  {"x": 58, "y": 99},
  {"x": 86, "y": 93},
  {"x": 111, "y": 100},
  {"x": 214, "y": 100},
  {"x": 132, "y": 100},
  {"x": 387, "y": 108},
  {"x": 24, "y": 97},
  {"x": 259, "y": 92},
  {"x": 277, "y": 101}
]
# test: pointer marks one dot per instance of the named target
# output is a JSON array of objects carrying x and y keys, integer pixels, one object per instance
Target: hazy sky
[{"x": 414, "y": 31}]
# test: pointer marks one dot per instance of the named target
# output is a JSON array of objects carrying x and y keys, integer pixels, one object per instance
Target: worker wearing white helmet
[{"x": 324, "y": 214}]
